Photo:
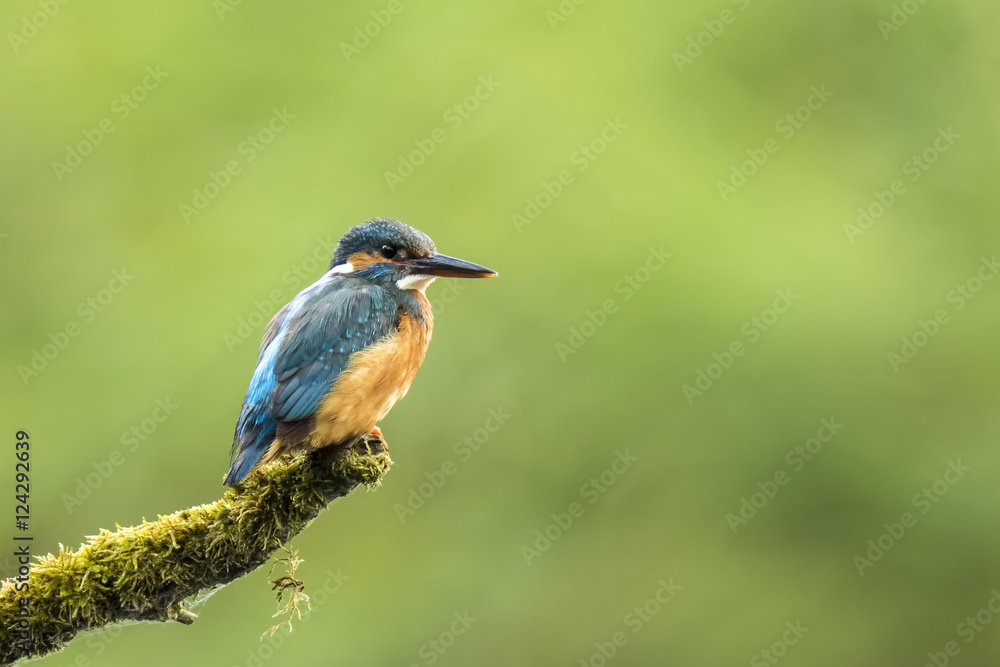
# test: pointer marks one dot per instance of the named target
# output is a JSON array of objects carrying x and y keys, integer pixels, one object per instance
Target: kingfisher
[{"x": 338, "y": 356}]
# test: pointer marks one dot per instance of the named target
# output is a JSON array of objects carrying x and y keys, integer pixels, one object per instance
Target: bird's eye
[{"x": 388, "y": 251}]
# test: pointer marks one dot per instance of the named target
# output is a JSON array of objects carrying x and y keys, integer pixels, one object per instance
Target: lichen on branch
[{"x": 145, "y": 572}]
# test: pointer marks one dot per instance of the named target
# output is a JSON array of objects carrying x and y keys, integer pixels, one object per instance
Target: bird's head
[{"x": 389, "y": 252}]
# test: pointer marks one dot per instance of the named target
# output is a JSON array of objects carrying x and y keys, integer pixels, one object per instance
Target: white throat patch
[{"x": 417, "y": 281}]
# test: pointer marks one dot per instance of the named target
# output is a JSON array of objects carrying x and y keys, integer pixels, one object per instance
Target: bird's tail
[{"x": 255, "y": 432}]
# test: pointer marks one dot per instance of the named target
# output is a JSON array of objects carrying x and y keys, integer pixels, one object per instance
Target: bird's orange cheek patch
[{"x": 362, "y": 260}]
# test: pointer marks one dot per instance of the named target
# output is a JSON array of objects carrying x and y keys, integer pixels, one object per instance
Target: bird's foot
[{"x": 377, "y": 432}]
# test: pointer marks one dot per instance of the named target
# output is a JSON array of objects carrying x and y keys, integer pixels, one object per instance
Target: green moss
[{"x": 145, "y": 572}]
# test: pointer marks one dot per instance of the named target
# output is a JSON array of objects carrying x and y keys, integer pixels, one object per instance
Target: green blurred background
[{"x": 175, "y": 334}]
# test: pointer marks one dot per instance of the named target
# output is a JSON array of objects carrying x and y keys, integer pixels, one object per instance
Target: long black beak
[{"x": 449, "y": 267}]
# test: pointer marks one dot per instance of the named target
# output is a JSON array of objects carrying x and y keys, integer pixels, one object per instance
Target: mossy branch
[{"x": 145, "y": 572}]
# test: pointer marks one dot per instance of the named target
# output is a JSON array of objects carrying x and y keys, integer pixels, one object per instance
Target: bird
[{"x": 336, "y": 358}]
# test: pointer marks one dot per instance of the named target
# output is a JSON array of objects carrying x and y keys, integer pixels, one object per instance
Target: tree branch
[{"x": 145, "y": 572}]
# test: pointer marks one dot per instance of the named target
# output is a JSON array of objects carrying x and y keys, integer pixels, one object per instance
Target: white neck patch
[
  {"x": 417, "y": 281},
  {"x": 346, "y": 267}
]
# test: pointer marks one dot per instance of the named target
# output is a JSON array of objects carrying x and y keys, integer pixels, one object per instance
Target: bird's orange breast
[{"x": 376, "y": 378}]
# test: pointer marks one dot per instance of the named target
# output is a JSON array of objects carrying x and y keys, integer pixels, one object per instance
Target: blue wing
[
  {"x": 320, "y": 340},
  {"x": 311, "y": 343}
]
